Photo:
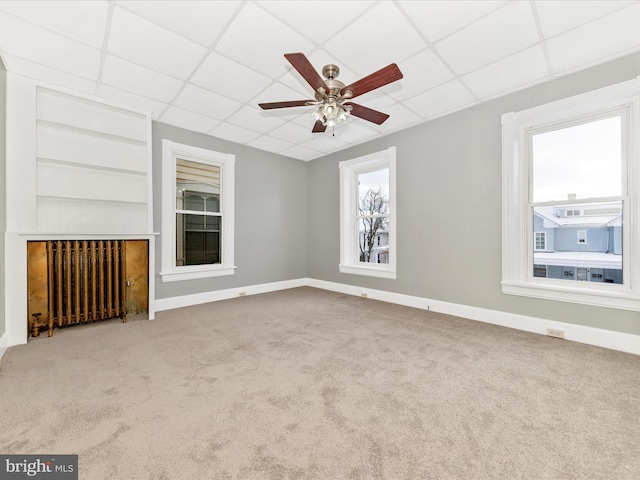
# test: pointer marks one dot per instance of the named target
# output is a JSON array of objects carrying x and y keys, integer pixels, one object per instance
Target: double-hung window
[
  {"x": 571, "y": 195},
  {"x": 197, "y": 212},
  {"x": 367, "y": 215}
]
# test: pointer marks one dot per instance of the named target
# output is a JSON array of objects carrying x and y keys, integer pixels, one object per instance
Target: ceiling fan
[{"x": 331, "y": 94}]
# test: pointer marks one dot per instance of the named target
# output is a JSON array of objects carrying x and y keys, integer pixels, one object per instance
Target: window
[
  {"x": 197, "y": 212},
  {"x": 367, "y": 213},
  {"x": 582, "y": 236},
  {"x": 570, "y": 170}
]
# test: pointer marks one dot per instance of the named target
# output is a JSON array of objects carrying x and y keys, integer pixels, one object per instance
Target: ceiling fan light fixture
[{"x": 331, "y": 114}]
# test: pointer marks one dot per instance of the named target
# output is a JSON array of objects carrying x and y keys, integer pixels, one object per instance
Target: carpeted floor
[{"x": 309, "y": 384}]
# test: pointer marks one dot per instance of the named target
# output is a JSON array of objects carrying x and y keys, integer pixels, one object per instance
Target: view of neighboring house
[
  {"x": 578, "y": 242},
  {"x": 380, "y": 248}
]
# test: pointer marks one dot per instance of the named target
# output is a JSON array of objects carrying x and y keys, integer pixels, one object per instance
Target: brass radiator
[{"x": 86, "y": 281}]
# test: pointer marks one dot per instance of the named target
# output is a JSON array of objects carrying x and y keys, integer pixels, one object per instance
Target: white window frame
[
  {"x": 544, "y": 241},
  {"x": 349, "y": 228},
  {"x": 517, "y": 226},
  {"x": 226, "y": 162}
]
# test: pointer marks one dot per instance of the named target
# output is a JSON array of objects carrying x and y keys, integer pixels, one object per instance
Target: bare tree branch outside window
[{"x": 373, "y": 211}]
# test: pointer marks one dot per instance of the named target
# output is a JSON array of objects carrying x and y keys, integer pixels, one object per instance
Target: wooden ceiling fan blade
[
  {"x": 293, "y": 103},
  {"x": 304, "y": 67},
  {"x": 318, "y": 127},
  {"x": 382, "y": 77},
  {"x": 367, "y": 113}
]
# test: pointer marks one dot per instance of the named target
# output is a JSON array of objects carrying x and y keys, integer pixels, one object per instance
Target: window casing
[
  {"x": 197, "y": 212},
  {"x": 522, "y": 201},
  {"x": 367, "y": 213}
]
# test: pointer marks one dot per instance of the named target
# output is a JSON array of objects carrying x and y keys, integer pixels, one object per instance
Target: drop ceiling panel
[
  {"x": 199, "y": 100},
  {"x": 81, "y": 21},
  {"x": 140, "y": 41},
  {"x": 199, "y": 21},
  {"x": 49, "y": 75},
  {"x": 441, "y": 100},
  {"x": 584, "y": 45},
  {"x": 189, "y": 120},
  {"x": 296, "y": 15},
  {"x": 205, "y": 65},
  {"x": 421, "y": 72},
  {"x": 382, "y": 35},
  {"x": 125, "y": 98},
  {"x": 231, "y": 79},
  {"x": 17, "y": 38},
  {"x": 258, "y": 40},
  {"x": 559, "y": 16},
  {"x": 513, "y": 72},
  {"x": 504, "y": 32},
  {"x": 138, "y": 80},
  {"x": 437, "y": 19}
]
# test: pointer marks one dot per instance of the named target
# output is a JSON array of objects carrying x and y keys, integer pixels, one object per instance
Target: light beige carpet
[{"x": 309, "y": 384}]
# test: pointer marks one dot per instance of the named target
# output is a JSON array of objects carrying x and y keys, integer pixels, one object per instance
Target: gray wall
[
  {"x": 270, "y": 215},
  {"x": 3, "y": 203},
  {"x": 449, "y": 207}
]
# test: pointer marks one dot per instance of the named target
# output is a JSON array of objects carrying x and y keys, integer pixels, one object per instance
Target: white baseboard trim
[
  {"x": 624, "y": 342},
  {"x": 4, "y": 345},
  {"x": 206, "y": 297}
]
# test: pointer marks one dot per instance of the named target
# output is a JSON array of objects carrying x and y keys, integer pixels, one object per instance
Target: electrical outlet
[
  {"x": 552, "y": 332},
  {"x": 364, "y": 295},
  {"x": 242, "y": 294}
]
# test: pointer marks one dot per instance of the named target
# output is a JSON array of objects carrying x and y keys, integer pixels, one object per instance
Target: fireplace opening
[{"x": 72, "y": 282}]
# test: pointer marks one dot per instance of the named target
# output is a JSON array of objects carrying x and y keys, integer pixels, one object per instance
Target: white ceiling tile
[
  {"x": 258, "y": 40},
  {"x": 270, "y": 144},
  {"x": 33, "y": 43},
  {"x": 156, "y": 108},
  {"x": 355, "y": 130},
  {"x": 32, "y": 70},
  {"x": 441, "y": 100},
  {"x": 382, "y": 35},
  {"x": 584, "y": 45},
  {"x": 325, "y": 143},
  {"x": 292, "y": 130},
  {"x": 255, "y": 119},
  {"x": 421, "y": 72},
  {"x": 439, "y": 18},
  {"x": 399, "y": 117},
  {"x": 234, "y": 133},
  {"x": 506, "y": 75},
  {"x": 189, "y": 120},
  {"x": 199, "y": 21},
  {"x": 81, "y": 21},
  {"x": 504, "y": 32},
  {"x": 296, "y": 15},
  {"x": 138, "y": 80},
  {"x": 207, "y": 103},
  {"x": 300, "y": 153},
  {"x": 561, "y": 15},
  {"x": 140, "y": 41},
  {"x": 229, "y": 78}
]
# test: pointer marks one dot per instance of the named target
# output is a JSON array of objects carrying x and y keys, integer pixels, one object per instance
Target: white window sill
[
  {"x": 618, "y": 297},
  {"x": 192, "y": 273},
  {"x": 382, "y": 272}
]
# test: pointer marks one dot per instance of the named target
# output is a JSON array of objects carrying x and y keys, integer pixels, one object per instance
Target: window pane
[
  {"x": 197, "y": 186},
  {"x": 197, "y": 239},
  {"x": 373, "y": 240},
  {"x": 583, "y": 161},
  {"x": 373, "y": 192},
  {"x": 582, "y": 242}
]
